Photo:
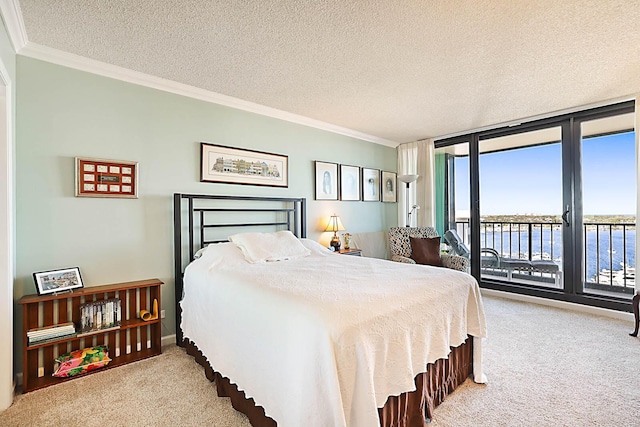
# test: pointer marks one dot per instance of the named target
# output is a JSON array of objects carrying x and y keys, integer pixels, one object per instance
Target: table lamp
[{"x": 335, "y": 225}]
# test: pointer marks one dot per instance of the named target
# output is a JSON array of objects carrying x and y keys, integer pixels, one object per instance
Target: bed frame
[
  {"x": 207, "y": 214},
  {"x": 210, "y": 219}
]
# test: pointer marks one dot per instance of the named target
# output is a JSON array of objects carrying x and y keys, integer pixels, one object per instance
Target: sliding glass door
[
  {"x": 608, "y": 172},
  {"x": 521, "y": 207},
  {"x": 547, "y": 208}
]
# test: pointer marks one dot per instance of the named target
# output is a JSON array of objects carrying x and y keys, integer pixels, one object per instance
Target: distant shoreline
[{"x": 524, "y": 220}]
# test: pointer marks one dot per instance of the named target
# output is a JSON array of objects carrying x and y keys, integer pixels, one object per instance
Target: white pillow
[
  {"x": 262, "y": 247},
  {"x": 225, "y": 252},
  {"x": 315, "y": 247},
  {"x": 218, "y": 256}
]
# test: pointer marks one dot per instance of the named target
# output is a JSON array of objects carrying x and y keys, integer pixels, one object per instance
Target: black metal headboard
[{"x": 209, "y": 218}]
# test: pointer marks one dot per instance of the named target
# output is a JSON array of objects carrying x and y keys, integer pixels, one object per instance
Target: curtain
[
  {"x": 417, "y": 158},
  {"x": 407, "y": 165},
  {"x": 425, "y": 190}
]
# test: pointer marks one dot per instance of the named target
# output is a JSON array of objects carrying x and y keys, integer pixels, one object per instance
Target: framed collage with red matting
[{"x": 106, "y": 178}]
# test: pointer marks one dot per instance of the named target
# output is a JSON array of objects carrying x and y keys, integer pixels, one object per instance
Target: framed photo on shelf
[
  {"x": 349, "y": 182},
  {"x": 106, "y": 178},
  {"x": 55, "y": 281},
  {"x": 229, "y": 165},
  {"x": 370, "y": 185},
  {"x": 389, "y": 187},
  {"x": 326, "y": 180}
]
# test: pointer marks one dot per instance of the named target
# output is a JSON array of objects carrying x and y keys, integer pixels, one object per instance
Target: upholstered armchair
[{"x": 400, "y": 247}]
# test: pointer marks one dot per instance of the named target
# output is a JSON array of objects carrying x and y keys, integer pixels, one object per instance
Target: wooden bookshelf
[{"x": 134, "y": 340}]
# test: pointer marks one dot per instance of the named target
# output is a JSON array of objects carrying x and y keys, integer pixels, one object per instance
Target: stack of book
[
  {"x": 99, "y": 316},
  {"x": 51, "y": 333}
]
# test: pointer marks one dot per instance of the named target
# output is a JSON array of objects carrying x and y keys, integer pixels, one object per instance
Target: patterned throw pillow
[
  {"x": 80, "y": 362},
  {"x": 426, "y": 250}
]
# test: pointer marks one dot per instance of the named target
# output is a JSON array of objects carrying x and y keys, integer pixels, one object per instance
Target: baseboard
[
  {"x": 168, "y": 340},
  {"x": 559, "y": 304},
  {"x": 18, "y": 382}
]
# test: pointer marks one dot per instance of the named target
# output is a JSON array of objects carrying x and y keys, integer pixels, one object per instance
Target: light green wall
[{"x": 63, "y": 113}]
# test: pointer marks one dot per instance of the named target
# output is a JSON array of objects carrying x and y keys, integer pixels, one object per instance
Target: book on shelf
[
  {"x": 45, "y": 329},
  {"x": 100, "y": 316},
  {"x": 43, "y": 340},
  {"x": 52, "y": 332}
]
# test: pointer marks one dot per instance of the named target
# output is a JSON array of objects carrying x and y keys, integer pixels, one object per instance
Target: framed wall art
[
  {"x": 370, "y": 185},
  {"x": 389, "y": 189},
  {"x": 230, "y": 165},
  {"x": 55, "y": 281},
  {"x": 106, "y": 178},
  {"x": 349, "y": 182},
  {"x": 326, "y": 175}
]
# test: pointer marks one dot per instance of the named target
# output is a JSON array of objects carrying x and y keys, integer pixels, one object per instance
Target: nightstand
[{"x": 355, "y": 252}]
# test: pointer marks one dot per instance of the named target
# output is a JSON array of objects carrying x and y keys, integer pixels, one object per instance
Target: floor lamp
[{"x": 408, "y": 179}]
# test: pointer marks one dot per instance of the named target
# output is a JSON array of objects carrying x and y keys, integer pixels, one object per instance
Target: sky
[{"x": 529, "y": 180}]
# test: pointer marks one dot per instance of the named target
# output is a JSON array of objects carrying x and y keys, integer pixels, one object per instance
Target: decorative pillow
[
  {"x": 82, "y": 361},
  {"x": 262, "y": 247},
  {"x": 426, "y": 250}
]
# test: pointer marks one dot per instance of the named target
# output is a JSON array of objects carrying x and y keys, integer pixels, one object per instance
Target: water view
[{"x": 531, "y": 184}]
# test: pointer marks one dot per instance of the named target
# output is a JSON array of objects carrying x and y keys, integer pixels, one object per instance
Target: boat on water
[{"x": 626, "y": 275}]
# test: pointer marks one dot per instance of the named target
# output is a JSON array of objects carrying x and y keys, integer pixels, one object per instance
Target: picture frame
[
  {"x": 349, "y": 183},
  {"x": 231, "y": 165},
  {"x": 57, "y": 281},
  {"x": 326, "y": 177},
  {"x": 106, "y": 178},
  {"x": 370, "y": 185},
  {"x": 389, "y": 187}
]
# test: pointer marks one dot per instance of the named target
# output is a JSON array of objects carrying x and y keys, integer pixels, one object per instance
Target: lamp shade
[
  {"x": 408, "y": 178},
  {"x": 334, "y": 224}
]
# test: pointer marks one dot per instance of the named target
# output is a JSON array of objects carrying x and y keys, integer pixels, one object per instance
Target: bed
[{"x": 317, "y": 339}]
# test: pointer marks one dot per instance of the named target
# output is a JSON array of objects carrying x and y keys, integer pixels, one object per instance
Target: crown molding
[
  {"x": 12, "y": 17},
  {"x": 44, "y": 53}
]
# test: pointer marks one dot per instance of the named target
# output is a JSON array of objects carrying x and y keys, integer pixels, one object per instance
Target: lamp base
[{"x": 335, "y": 243}]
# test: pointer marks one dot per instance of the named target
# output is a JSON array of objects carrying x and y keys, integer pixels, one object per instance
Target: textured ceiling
[{"x": 399, "y": 70}]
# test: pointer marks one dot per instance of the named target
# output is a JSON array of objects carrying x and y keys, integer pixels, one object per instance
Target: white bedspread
[{"x": 324, "y": 340}]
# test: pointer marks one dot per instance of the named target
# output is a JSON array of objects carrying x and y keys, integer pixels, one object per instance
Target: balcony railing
[{"x": 608, "y": 255}]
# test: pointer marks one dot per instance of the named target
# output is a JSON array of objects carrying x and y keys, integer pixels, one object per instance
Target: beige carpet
[{"x": 546, "y": 367}]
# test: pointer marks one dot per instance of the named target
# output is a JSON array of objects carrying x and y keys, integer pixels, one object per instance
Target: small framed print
[
  {"x": 54, "y": 281},
  {"x": 349, "y": 182},
  {"x": 326, "y": 180},
  {"x": 106, "y": 178},
  {"x": 370, "y": 185},
  {"x": 389, "y": 189}
]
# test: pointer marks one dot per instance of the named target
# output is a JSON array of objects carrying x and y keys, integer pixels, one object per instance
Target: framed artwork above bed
[
  {"x": 231, "y": 165},
  {"x": 349, "y": 182},
  {"x": 370, "y": 185},
  {"x": 326, "y": 180},
  {"x": 389, "y": 190}
]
